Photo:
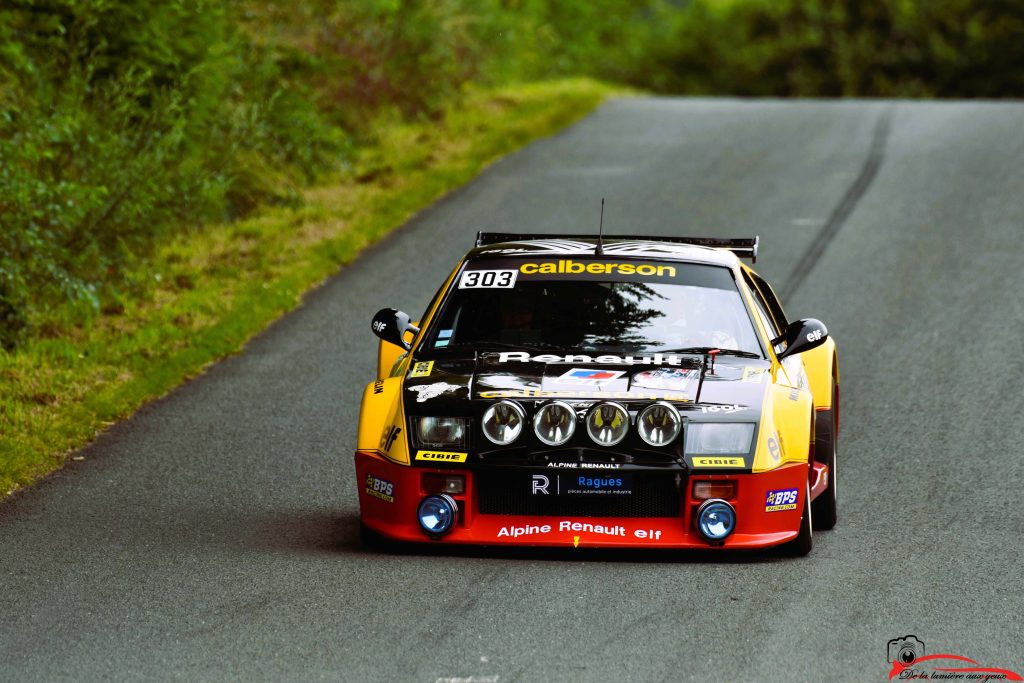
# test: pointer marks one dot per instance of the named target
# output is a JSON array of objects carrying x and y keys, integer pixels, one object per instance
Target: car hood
[{"x": 735, "y": 382}]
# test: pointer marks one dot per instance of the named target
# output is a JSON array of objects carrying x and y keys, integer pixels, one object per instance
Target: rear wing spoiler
[{"x": 744, "y": 247}]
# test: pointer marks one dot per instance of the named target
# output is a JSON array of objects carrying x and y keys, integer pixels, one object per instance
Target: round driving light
[
  {"x": 659, "y": 424},
  {"x": 716, "y": 519},
  {"x": 607, "y": 423},
  {"x": 503, "y": 422},
  {"x": 436, "y": 514},
  {"x": 555, "y": 423}
]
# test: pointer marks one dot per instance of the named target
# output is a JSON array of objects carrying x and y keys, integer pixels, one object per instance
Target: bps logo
[
  {"x": 380, "y": 488},
  {"x": 777, "y": 501}
]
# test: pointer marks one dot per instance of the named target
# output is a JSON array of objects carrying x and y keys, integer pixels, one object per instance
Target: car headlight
[
  {"x": 716, "y": 519},
  {"x": 607, "y": 423},
  {"x": 503, "y": 422},
  {"x": 555, "y": 423},
  {"x": 719, "y": 438},
  {"x": 435, "y": 432},
  {"x": 658, "y": 424}
]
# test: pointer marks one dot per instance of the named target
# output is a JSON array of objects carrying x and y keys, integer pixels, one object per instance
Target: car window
[
  {"x": 578, "y": 311},
  {"x": 770, "y": 300},
  {"x": 762, "y": 311}
]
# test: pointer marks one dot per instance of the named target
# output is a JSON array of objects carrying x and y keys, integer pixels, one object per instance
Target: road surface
[{"x": 213, "y": 536}]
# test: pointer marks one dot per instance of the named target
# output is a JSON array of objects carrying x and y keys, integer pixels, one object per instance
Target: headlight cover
[
  {"x": 719, "y": 438},
  {"x": 503, "y": 422},
  {"x": 607, "y": 423},
  {"x": 437, "y": 432},
  {"x": 554, "y": 423},
  {"x": 659, "y": 423}
]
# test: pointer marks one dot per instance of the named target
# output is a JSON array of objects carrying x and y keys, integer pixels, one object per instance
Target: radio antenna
[{"x": 600, "y": 232}]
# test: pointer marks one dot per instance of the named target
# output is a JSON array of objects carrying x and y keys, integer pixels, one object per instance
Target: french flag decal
[{"x": 590, "y": 377}]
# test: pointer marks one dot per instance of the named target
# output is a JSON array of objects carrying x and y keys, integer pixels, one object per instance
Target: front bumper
[{"x": 390, "y": 493}]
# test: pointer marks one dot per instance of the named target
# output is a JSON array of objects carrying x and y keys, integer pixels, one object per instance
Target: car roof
[{"x": 612, "y": 248}]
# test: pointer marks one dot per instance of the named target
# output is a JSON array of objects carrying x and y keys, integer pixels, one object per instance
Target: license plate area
[
  {"x": 581, "y": 484},
  {"x": 581, "y": 493}
]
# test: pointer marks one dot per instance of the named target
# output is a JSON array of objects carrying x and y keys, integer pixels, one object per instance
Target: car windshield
[{"x": 516, "y": 304}]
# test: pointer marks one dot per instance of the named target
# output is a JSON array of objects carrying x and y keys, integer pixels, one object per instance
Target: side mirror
[
  {"x": 800, "y": 336},
  {"x": 391, "y": 326}
]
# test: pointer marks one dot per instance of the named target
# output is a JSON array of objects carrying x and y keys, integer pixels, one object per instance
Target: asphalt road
[{"x": 214, "y": 535}]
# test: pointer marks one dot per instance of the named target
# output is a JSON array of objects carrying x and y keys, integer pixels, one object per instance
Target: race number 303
[{"x": 488, "y": 279}]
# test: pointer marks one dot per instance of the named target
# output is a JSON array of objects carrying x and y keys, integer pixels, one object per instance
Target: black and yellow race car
[{"x": 586, "y": 391}]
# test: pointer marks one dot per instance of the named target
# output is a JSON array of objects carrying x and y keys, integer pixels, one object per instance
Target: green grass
[{"x": 205, "y": 293}]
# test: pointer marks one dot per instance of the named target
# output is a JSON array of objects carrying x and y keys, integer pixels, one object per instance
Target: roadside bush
[{"x": 123, "y": 120}]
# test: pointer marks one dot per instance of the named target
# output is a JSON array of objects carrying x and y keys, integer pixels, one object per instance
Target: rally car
[{"x": 601, "y": 391}]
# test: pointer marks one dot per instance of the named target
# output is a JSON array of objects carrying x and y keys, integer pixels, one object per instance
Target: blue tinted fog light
[
  {"x": 716, "y": 519},
  {"x": 436, "y": 514}
]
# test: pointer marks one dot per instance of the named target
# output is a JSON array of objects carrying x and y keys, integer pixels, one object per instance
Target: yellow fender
[
  {"x": 382, "y": 421},
  {"x": 820, "y": 364}
]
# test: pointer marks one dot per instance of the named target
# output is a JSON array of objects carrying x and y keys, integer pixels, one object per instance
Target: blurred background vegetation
[{"x": 126, "y": 122}]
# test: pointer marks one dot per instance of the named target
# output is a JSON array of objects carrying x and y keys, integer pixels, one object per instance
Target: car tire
[
  {"x": 801, "y": 545},
  {"x": 824, "y": 506}
]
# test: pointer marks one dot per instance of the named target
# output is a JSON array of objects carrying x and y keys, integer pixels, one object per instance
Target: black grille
[{"x": 510, "y": 492}]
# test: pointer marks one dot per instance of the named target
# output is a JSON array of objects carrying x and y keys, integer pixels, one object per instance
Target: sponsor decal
[
  {"x": 380, "y": 488},
  {"x": 425, "y": 392},
  {"x": 488, "y": 279},
  {"x": 422, "y": 369},
  {"x": 664, "y": 378},
  {"x": 586, "y": 465},
  {"x": 378, "y": 387},
  {"x": 584, "y": 359},
  {"x": 527, "y": 530},
  {"x": 910, "y": 662},
  {"x": 379, "y": 326},
  {"x": 722, "y": 409},
  {"x": 574, "y": 485},
  {"x": 814, "y": 336},
  {"x": 544, "y": 393},
  {"x": 568, "y": 267},
  {"x": 604, "y": 529},
  {"x": 600, "y": 485},
  {"x": 719, "y": 461},
  {"x": 576, "y": 528},
  {"x": 794, "y": 394},
  {"x": 752, "y": 375},
  {"x": 773, "y": 448},
  {"x": 441, "y": 456},
  {"x": 593, "y": 378},
  {"x": 444, "y": 334},
  {"x": 783, "y": 499},
  {"x": 387, "y": 439}
]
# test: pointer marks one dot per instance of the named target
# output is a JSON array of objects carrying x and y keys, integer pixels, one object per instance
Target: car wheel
[
  {"x": 801, "y": 545},
  {"x": 824, "y": 506}
]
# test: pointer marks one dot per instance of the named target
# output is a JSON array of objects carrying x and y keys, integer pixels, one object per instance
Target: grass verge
[{"x": 204, "y": 294}]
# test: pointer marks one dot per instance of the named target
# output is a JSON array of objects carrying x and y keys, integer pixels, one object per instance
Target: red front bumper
[{"x": 390, "y": 493}]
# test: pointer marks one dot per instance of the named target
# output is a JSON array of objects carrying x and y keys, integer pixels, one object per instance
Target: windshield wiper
[{"x": 703, "y": 350}]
